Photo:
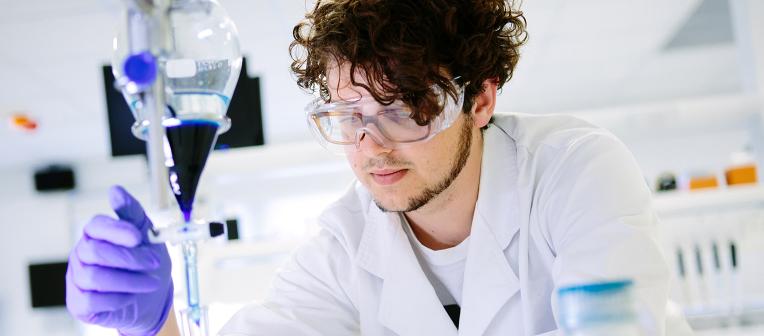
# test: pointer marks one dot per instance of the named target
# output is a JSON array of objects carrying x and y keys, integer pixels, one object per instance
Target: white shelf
[
  {"x": 671, "y": 202},
  {"x": 732, "y": 331}
]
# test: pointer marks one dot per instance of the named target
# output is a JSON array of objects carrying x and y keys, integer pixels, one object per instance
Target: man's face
[{"x": 407, "y": 177}]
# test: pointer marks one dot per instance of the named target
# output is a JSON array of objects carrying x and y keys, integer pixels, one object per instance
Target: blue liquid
[{"x": 189, "y": 143}]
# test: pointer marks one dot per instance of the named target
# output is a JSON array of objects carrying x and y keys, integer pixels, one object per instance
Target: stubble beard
[{"x": 458, "y": 163}]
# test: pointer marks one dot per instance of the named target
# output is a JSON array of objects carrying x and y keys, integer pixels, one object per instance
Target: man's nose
[{"x": 372, "y": 145}]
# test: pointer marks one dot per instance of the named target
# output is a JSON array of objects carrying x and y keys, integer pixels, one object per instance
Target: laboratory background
[{"x": 680, "y": 82}]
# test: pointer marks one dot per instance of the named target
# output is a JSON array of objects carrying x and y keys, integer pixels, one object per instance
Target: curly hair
[{"x": 404, "y": 47}]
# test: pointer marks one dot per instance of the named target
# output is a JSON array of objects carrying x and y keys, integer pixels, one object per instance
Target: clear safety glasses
[{"x": 340, "y": 126}]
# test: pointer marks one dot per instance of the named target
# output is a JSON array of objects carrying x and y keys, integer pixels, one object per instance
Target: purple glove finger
[
  {"x": 112, "y": 280},
  {"x": 102, "y": 318},
  {"x": 115, "y": 231},
  {"x": 131, "y": 320},
  {"x": 112, "y": 319},
  {"x": 127, "y": 208},
  {"x": 93, "y": 303},
  {"x": 100, "y": 253},
  {"x": 84, "y": 304}
]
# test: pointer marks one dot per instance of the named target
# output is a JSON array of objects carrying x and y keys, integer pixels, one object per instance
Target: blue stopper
[{"x": 141, "y": 68}]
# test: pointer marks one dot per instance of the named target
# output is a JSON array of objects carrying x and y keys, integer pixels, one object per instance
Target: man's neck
[{"x": 446, "y": 220}]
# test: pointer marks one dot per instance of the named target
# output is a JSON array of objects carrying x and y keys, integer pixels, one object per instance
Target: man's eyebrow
[{"x": 357, "y": 96}]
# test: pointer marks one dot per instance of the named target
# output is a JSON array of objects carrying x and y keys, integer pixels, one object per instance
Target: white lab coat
[{"x": 561, "y": 202}]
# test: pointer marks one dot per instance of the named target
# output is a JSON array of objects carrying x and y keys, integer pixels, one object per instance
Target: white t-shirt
[{"x": 444, "y": 268}]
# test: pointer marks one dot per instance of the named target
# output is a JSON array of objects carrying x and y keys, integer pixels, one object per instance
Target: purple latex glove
[{"x": 116, "y": 278}]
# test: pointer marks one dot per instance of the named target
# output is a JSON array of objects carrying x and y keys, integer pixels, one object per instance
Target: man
[{"x": 459, "y": 222}]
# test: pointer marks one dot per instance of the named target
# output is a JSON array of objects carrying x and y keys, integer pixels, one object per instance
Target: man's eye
[
  {"x": 346, "y": 121},
  {"x": 397, "y": 116}
]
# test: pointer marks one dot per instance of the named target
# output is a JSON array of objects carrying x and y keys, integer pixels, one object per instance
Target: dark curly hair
[{"x": 404, "y": 47}]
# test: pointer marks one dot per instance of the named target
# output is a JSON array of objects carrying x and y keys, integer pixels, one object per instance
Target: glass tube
[
  {"x": 189, "y": 325},
  {"x": 192, "y": 279}
]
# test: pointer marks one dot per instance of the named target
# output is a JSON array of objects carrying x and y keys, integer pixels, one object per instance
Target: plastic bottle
[{"x": 599, "y": 309}]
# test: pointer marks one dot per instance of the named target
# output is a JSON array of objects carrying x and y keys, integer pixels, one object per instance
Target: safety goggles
[{"x": 340, "y": 126}]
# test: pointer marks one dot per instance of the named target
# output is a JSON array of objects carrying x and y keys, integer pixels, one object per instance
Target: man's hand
[{"x": 116, "y": 278}]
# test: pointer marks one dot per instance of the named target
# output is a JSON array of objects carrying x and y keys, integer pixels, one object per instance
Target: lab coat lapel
[
  {"x": 489, "y": 281},
  {"x": 408, "y": 304}
]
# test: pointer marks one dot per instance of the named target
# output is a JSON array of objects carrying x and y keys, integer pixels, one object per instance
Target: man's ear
[{"x": 484, "y": 103}]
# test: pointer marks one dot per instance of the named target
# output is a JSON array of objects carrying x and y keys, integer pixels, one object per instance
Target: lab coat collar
[
  {"x": 498, "y": 200},
  {"x": 408, "y": 303},
  {"x": 489, "y": 281}
]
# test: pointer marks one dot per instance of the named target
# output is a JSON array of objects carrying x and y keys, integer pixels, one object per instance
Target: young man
[{"x": 461, "y": 221}]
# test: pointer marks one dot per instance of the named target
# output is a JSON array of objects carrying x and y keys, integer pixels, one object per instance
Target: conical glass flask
[{"x": 200, "y": 66}]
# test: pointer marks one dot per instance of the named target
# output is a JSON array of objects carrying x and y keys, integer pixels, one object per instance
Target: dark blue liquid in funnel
[{"x": 190, "y": 144}]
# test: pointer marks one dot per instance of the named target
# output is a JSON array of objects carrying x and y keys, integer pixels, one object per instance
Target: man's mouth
[{"x": 388, "y": 176}]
